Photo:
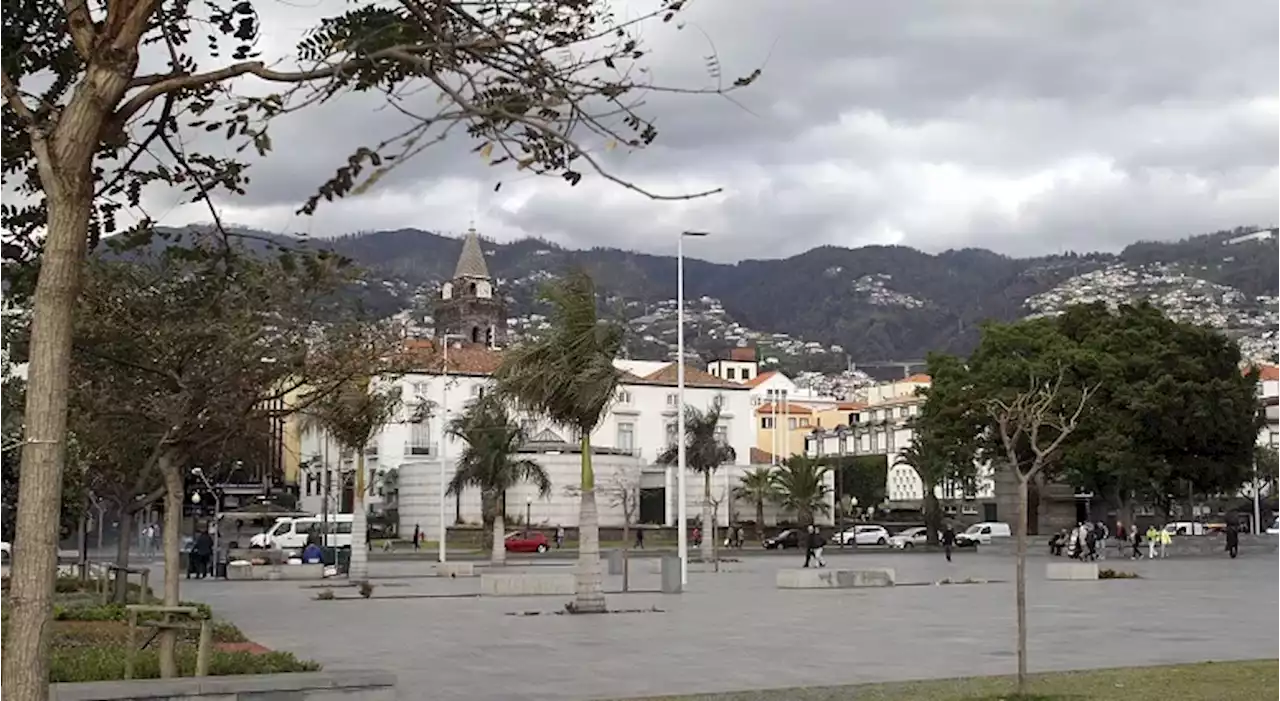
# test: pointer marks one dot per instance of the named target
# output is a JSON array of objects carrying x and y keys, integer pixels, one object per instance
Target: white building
[
  {"x": 1269, "y": 394},
  {"x": 740, "y": 366}
]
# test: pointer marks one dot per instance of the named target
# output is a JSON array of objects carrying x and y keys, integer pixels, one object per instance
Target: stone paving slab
[{"x": 735, "y": 630}]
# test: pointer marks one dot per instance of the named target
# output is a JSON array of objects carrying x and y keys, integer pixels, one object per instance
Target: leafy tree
[
  {"x": 1041, "y": 419},
  {"x": 802, "y": 486},
  {"x": 704, "y": 453},
  {"x": 863, "y": 477},
  {"x": 530, "y": 83},
  {"x": 758, "y": 487},
  {"x": 930, "y": 466},
  {"x": 569, "y": 377},
  {"x": 944, "y": 437},
  {"x": 352, "y": 415},
  {"x": 180, "y": 355},
  {"x": 491, "y": 464}
]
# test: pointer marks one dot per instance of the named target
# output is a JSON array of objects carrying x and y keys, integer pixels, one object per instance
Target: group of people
[
  {"x": 200, "y": 558},
  {"x": 1087, "y": 541}
]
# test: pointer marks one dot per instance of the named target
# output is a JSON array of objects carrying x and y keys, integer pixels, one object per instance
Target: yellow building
[{"x": 782, "y": 427}]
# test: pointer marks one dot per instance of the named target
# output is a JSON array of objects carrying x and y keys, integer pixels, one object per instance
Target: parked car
[
  {"x": 909, "y": 538},
  {"x": 1275, "y": 527},
  {"x": 982, "y": 534},
  {"x": 785, "y": 540},
  {"x": 864, "y": 535},
  {"x": 531, "y": 542}
]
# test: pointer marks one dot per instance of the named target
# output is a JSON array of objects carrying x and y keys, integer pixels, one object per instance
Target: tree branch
[
  {"x": 80, "y": 27},
  {"x": 15, "y": 100}
]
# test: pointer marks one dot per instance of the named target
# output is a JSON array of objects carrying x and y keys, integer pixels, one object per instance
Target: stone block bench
[
  {"x": 1071, "y": 571},
  {"x": 455, "y": 569},
  {"x": 526, "y": 584},
  {"x": 822, "y": 578},
  {"x": 244, "y": 572}
]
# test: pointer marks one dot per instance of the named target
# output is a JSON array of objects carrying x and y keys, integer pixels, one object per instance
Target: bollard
[{"x": 671, "y": 574}]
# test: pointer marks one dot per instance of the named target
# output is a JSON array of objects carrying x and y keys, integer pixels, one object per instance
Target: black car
[{"x": 787, "y": 539}]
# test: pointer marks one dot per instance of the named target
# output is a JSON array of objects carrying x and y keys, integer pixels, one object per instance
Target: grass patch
[
  {"x": 1108, "y": 573},
  {"x": 90, "y": 640},
  {"x": 1206, "y": 681}
]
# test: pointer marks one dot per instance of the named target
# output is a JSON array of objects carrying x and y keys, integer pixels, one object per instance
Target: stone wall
[{"x": 308, "y": 686}]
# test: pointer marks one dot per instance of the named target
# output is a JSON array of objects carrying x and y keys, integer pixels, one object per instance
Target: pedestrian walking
[
  {"x": 1136, "y": 537},
  {"x": 1233, "y": 540},
  {"x": 1103, "y": 534},
  {"x": 1165, "y": 540},
  {"x": 813, "y": 547},
  {"x": 200, "y": 556},
  {"x": 417, "y": 537},
  {"x": 560, "y": 537},
  {"x": 639, "y": 538},
  {"x": 1152, "y": 536},
  {"x": 1090, "y": 542},
  {"x": 948, "y": 540}
]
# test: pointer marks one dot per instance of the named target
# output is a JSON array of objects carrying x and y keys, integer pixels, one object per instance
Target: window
[
  {"x": 477, "y": 390},
  {"x": 804, "y": 421},
  {"x": 344, "y": 527},
  {"x": 888, "y": 439},
  {"x": 419, "y": 439},
  {"x": 626, "y": 436},
  {"x": 903, "y": 411},
  {"x": 766, "y": 422},
  {"x": 420, "y": 390},
  {"x": 746, "y": 373},
  {"x": 671, "y": 433},
  {"x": 791, "y": 423},
  {"x": 624, "y": 397},
  {"x": 875, "y": 442},
  {"x": 673, "y": 399},
  {"x": 722, "y": 434},
  {"x": 729, "y": 374}
]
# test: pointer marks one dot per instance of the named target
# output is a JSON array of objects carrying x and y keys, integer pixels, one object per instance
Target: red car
[{"x": 521, "y": 542}]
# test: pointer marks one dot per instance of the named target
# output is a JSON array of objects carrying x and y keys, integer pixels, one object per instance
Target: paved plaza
[{"x": 734, "y": 630}]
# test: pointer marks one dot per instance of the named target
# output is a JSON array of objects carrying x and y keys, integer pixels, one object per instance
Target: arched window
[
  {"x": 472, "y": 288},
  {"x": 475, "y": 334},
  {"x": 488, "y": 337}
]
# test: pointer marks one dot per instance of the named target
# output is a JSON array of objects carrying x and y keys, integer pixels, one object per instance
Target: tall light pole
[
  {"x": 682, "y": 507},
  {"x": 443, "y": 532}
]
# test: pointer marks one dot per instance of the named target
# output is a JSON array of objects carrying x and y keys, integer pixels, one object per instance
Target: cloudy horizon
[{"x": 1022, "y": 128}]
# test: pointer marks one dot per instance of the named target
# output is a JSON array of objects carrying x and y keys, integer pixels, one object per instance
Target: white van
[
  {"x": 983, "y": 533},
  {"x": 290, "y": 533}
]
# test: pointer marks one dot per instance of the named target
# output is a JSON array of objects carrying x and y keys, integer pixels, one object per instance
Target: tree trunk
[
  {"x": 760, "y": 520},
  {"x": 626, "y": 546},
  {"x": 172, "y": 546},
  {"x": 706, "y": 548},
  {"x": 488, "y": 510},
  {"x": 121, "y": 592},
  {"x": 44, "y": 450},
  {"x": 932, "y": 513},
  {"x": 499, "y": 555},
  {"x": 358, "y": 568},
  {"x": 589, "y": 589},
  {"x": 1021, "y": 584}
]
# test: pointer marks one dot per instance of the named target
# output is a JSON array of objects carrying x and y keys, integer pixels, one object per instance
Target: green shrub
[
  {"x": 106, "y": 662},
  {"x": 224, "y": 632},
  {"x": 1107, "y": 573},
  {"x": 114, "y": 612}
]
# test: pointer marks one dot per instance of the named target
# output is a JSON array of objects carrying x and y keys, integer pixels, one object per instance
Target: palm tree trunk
[
  {"x": 358, "y": 568},
  {"x": 760, "y": 520},
  {"x": 932, "y": 515},
  {"x": 708, "y": 524},
  {"x": 589, "y": 589},
  {"x": 499, "y": 555}
]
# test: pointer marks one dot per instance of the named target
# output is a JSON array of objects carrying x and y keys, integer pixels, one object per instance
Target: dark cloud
[{"x": 1023, "y": 127}]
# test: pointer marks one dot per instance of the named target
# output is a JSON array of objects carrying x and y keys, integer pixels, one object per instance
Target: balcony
[{"x": 419, "y": 450}]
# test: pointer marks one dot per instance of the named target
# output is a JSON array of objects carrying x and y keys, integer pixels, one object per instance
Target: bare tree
[
  {"x": 543, "y": 87},
  {"x": 1036, "y": 421}
]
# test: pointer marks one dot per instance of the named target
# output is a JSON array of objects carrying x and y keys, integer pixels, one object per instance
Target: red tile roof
[
  {"x": 785, "y": 408},
  {"x": 851, "y": 406},
  {"x": 427, "y": 356},
  {"x": 919, "y": 378},
  {"x": 693, "y": 377},
  {"x": 1268, "y": 373},
  {"x": 760, "y": 378}
]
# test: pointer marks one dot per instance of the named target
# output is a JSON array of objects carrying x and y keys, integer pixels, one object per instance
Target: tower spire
[{"x": 471, "y": 263}]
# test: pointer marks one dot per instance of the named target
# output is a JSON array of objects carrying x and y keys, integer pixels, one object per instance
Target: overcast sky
[{"x": 1021, "y": 126}]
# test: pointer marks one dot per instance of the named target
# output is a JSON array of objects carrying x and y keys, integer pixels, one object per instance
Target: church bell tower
[{"x": 469, "y": 306}]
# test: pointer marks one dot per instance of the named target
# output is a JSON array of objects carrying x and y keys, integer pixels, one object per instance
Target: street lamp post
[
  {"x": 443, "y": 532},
  {"x": 682, "y": 508},
  {"x": 528, "y": 513}
]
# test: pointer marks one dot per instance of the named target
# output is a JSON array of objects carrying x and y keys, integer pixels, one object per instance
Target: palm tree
[
  {"x": 704, "y": 453},
  {"x": 569, "y": 377},
  {"x": 353, "y": 415},
  {"x": 758, "y": 486},
  {"x": 930, "y": 468},
  {"x": 801, "y": 484},
  {"x": 489, "y": 463}
]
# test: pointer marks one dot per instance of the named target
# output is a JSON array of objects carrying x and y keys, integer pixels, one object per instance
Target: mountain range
[{"x": 875, "y": 303}]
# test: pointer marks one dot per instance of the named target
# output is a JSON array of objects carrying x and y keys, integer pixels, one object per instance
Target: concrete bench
[
  {"x": 1071, "y": 571},
  {"x": 455, "y": 569},
  {"x": 244, "y": 572},
  {"x": 526, "y": 584},
  {"x": 821, "y": 578}
]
